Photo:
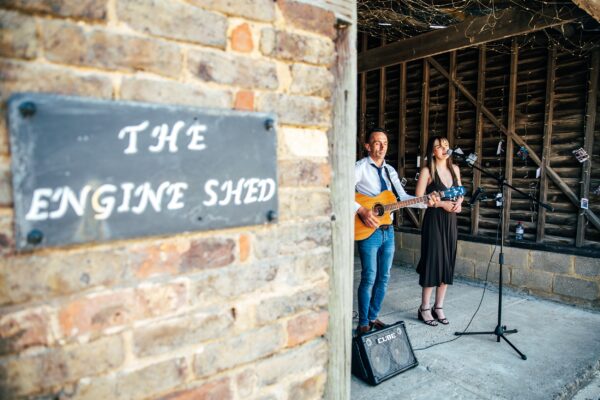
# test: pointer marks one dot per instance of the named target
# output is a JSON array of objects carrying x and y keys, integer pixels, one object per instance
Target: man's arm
[{"x": 365, "y": 215}]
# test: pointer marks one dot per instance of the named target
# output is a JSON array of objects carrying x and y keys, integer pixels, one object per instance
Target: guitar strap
[{"x": 392, "y": 183}]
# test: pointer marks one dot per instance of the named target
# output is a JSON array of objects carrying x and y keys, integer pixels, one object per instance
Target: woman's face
[{"x": 440, "y": 149}]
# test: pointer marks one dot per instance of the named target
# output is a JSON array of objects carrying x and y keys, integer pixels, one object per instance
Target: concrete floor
[{"x": 561, "y": 342}]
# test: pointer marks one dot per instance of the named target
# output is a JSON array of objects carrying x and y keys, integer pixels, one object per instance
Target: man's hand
[{"x": 368, "y": 217}]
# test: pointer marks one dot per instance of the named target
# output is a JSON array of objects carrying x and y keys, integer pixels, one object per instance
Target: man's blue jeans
[{"x": 376, "y": 255}]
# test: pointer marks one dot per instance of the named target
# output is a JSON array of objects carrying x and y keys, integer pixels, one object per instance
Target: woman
[{"x": 439, "y": 232}]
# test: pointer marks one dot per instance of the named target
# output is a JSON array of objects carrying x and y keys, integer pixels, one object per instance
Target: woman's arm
[{"x": 457, "y": 205}]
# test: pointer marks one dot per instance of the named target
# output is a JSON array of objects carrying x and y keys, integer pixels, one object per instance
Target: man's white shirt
[{"x": 367, "y": 181}]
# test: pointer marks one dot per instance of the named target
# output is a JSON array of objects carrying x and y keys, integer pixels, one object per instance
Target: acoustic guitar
[{"x": 385, "y": 203}]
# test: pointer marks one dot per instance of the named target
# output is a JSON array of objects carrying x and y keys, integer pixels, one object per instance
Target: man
[{"x": 374, "y": 175}]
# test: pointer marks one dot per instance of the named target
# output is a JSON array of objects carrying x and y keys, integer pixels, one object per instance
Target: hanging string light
[{"x": 407, "y": 18}]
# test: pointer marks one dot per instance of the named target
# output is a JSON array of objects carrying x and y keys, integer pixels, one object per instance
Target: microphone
[
  {"x": 480, "y": 191},
  {"x": 458, "y": 153}
]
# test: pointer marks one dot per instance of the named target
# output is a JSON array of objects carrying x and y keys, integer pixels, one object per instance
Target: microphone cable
[
  {"x": 355, "y": 313},
  {"x": 480, "y": 300}
]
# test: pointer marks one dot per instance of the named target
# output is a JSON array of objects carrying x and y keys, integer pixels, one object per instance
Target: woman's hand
[
  {"x": 448, "y": 206},
  {"x": 458, "y": 205},
  {"x": 457, "y": 208}
]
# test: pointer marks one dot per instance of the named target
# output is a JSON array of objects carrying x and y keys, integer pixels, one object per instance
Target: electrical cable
[{"x": 355, "y": 313}]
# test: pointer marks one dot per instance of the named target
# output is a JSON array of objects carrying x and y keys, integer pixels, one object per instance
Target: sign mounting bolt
[{"x": 27, "y": 109}]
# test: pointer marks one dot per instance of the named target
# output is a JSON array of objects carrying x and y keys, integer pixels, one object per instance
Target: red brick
[
  {"x": 3, "y": 137},
  {"x": 214, "y": 390},
  {"x": 244, "y": 247},
  {"x": 171, "y": 92},
  {"x": 93, "y": 314},
  {"x": 293, "y": 238},
  {"x": 313, "y": 299},
  {"x": 207, "y": 254},
  {"x": 17, "y": 35},
  {"x": 175, "y": 19},
  {"x": 306, "y": 327},
  {"x": 147, "y": 382},
  {"x": 6, "y": 199},
  {"x": 56, "y": 366},
  {"x": 159, "y": 300},
  {"x": 88, "y": 9},
  {"x": 44, "y": 275},
  {"x": 69, "y": 43},
  {"x": 241, "y": 38},
  {"x": 23, "y": 329},
  {"x": 25, "y": 77},
  {"x": 7, "y": 244},
  {"x": 233, "y": 69},
  {"x": 244, "y": 100},
  {"x": 245, "y": 383},
  {"x": 295, "y": 47},
  {"x": 236, "y": 350},
  {"x": 311, "y": 388},
  {"x": 156, "y": 260},
  {"x": 297, "y": 110},
  {"x": 308, "y": 17},
  {"x": 184, "y": 330},
  {"x": 258, "y": 10}
]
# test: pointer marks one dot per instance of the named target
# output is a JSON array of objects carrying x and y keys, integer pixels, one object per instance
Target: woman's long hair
[{"x": 430, "y": 163}]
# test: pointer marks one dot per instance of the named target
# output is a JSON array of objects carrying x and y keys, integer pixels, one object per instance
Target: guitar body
[
  {"x": 361, "y": 231},
  {"x": 385, "y": 203}
]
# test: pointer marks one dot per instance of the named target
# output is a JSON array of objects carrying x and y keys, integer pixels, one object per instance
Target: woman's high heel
[
  {"x": 443, "y": 321},
  {"x": 430, "y": 322}
]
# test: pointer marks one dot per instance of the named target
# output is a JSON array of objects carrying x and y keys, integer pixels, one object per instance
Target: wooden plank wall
[{"x": 534, "y": 107}]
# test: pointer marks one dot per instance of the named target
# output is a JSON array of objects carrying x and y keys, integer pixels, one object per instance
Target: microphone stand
[{"x": 501, "y": 330}]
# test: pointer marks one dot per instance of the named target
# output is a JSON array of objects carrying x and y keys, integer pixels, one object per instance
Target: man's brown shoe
[
  {"x": 362, "y": 329},
  {"x": 378, "y": 324}
]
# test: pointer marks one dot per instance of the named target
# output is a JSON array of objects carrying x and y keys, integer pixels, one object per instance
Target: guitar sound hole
[{"x": 378, "y": 210}]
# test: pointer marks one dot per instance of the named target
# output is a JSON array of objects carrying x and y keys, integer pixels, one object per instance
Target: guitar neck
[{"x": 405, "y": 203}]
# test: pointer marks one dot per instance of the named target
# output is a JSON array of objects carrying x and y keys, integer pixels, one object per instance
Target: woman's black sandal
[
  {"x": 443, "y": 321},
  {"x": 430, "y": 322}
]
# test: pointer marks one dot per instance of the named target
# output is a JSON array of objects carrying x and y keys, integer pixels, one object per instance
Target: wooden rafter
[
  {"x": 588, "y": 142},
  {"x": 473, "y": 31},
  {"x": 547, "y": 141},
  {"x": 478, "y": 132},
  {"x": 519, "y": 140}
]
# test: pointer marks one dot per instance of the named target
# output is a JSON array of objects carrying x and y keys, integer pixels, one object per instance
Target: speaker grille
[{"x": 385, "y": 353}]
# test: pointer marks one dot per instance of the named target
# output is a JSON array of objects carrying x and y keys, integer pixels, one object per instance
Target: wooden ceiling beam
[
  {"x": 511, "y": 135},
  {"x": 471, "y": 32}
]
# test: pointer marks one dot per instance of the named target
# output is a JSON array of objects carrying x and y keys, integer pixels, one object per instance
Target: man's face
[{"x": 377, "y": 146}]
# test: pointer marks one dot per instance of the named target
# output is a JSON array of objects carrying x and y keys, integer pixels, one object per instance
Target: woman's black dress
[{"x": 438, "y": 242}]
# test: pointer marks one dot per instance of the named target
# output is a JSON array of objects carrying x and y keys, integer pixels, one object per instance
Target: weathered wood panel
[{"x": 514, "y": 101}]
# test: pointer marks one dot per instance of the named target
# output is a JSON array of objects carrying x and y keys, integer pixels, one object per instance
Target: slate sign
[{"x": 91, "y": 170}]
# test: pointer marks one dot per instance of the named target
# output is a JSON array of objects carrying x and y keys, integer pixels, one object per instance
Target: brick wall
[
  {"x": 568, "y": 278},
  {"x": 233, "y": 314}
]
